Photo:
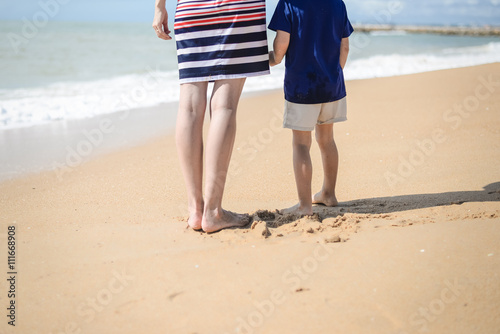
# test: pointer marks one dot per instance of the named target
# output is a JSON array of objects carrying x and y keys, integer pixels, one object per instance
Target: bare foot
[
  {"x": 297, "y": 210},
  {"x": 194, "y": 220},
  {"x": 325, "y": 199},
  {"x": 213, "y": 222},
  {"x": 195, "y": 216}
]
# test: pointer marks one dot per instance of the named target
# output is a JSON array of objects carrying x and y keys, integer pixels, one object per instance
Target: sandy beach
[{"x": 413, "y": 247}]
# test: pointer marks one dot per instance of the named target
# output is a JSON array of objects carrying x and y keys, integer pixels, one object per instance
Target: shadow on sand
[
  {"x": 385, "y": 205},
  {"x": 491, "y": 193}
]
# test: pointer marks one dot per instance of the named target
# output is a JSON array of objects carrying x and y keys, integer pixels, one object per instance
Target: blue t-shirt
[{"x": 313, "y": 73}]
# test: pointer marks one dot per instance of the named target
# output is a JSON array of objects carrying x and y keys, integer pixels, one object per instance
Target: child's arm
[
  {"x": 280, "y": 45},
  {"x": 344, "y": 51}
]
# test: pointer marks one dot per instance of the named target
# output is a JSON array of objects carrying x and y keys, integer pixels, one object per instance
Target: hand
[{"x": 160, "y": 24}]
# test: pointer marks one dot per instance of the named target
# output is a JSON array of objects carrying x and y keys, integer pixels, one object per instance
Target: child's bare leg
[
  {"x": 330, "y": 157},
  {"x": 220, "y": 141},
  {"x": 302, "y": 167},
  {"x": 189, "y": 129}
]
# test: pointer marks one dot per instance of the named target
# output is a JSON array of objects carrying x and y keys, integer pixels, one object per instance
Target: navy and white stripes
[{"x": 221, "y": 39}]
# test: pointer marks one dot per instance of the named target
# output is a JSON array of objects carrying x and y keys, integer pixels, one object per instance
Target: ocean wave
[
  {"x": 77, "y": 100},
  {"x": 396, "y": 64}
]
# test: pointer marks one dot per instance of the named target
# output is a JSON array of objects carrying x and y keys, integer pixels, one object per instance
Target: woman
[{"x": 223, "y": 41}]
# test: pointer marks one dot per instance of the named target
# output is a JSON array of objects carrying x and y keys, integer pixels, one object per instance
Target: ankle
[
  {"x": 212, "y": 212},
  {"x": 196, "y": 201},
  {"x": 195, "y": 209},
  {"x": 305, "y": 206},
  {"x": 326, "y": 192}
]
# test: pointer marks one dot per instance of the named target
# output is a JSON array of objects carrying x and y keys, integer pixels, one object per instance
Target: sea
[{"x": 66, "y": 71}]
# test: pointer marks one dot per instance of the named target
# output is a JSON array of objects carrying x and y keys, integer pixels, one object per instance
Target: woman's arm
[{"x": 160, "y": 21}]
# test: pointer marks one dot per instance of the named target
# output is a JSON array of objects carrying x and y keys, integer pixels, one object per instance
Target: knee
[
  {"x": 223, "y": 106},
  {"x": 324, "y": 141},
  {"x": 222, "y": 111},
  {"x": 301, "y": 153},
  {"x": 302, "y": 143},
  {"x": 191, "y": 114},
  {"x": 301, "y": 147}
]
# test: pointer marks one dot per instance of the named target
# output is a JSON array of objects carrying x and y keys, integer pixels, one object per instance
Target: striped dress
[{"x": 221, "y": 39}]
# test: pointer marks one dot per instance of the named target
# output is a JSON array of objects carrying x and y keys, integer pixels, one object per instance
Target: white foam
[
  {"x": 76, "y": 100},
  {"x": 393, "y": 65}
]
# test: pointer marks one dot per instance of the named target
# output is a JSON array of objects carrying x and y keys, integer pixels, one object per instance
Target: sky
[{"x": 428, "y": 12}]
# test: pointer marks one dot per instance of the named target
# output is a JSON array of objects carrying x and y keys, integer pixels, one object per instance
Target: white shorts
[{"x": 304, "y": 117}]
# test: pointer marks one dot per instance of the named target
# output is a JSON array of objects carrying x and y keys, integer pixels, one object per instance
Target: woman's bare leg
[
  {"x": 220, "y": 141},
  {"x": 189, "y": 138}
]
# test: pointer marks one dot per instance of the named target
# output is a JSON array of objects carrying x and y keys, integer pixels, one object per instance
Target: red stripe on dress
[
  {"x": 188, "y": 24},
  {"x": 220, "y": 11},
  {"x": 203, "y": 5}
]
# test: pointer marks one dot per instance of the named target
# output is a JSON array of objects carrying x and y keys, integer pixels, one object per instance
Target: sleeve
[
  {"x": 348, "y": 29},
  {"x": 281, "y": 18}
]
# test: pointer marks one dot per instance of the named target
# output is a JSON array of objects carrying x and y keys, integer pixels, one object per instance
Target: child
[{"x": 314, "y": 37}]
